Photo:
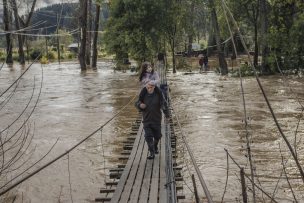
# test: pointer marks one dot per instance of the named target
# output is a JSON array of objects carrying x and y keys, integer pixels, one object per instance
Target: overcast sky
[{"x": 43, "y": 3}]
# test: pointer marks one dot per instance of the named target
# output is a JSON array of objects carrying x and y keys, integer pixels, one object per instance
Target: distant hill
[{"x": 46, "y": 18}]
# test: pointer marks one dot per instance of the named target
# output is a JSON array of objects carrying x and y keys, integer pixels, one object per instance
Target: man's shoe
[
  {"x": 156, "y": 150},
  {"x": 151, "y": 156}
]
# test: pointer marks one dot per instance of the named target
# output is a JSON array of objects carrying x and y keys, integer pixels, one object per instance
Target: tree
[
  {"x": 171, "y": 27},
  {"x": 222, "y": 61},
  {"x": 20, "y": 39},
  {"x": 83, "y": 29},
  {"x": 89, "y": 35},
  {"x": 286, "y": 25},
  {"x": 133, "y": 29},
  {"x": 96, "y": 26},
  {"x": 249, "y": 17},
  {"x": 20, "y": 23},
  {"x": 9, "y": 45},
  {"x": 264, "y": 34}
]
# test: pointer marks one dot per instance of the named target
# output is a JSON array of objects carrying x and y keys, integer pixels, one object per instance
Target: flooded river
[{"x": 72, "y": 105}]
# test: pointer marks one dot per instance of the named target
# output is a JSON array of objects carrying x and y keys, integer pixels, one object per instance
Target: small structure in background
[{"x": 74, "y": 47}]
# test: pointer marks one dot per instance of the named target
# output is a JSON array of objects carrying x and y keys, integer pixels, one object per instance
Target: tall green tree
[
  {"x": 264, "y": 35},
  {"x": 222, "y": 61},
  {"x": 172, "y": 24},
  {"x": 133, "y": 28},
  {"x": 286, "y": 35},
  {"x": 248, "y": 19}
]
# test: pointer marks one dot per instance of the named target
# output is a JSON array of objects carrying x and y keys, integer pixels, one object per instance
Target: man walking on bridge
[{"x": 151, "y": 101}]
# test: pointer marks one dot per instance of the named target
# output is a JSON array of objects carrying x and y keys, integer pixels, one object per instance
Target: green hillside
[{"x": 47, "y": 17}]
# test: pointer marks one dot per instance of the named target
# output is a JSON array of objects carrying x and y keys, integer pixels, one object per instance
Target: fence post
[{"x": 195, "y": 190}]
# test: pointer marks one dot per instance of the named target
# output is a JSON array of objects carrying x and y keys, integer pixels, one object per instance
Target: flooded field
[{"x": 61, "y": 105}]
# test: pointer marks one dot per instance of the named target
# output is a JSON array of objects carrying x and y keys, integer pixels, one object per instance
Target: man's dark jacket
[{"x": 155, "y": 102}]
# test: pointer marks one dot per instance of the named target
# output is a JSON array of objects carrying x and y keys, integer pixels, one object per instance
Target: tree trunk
[
  {"x": 210, "y": 39},
  {"x": 83, "y": 27},
  {"x": 222, "y": 61},
  {"x": 28, "y": 20},
  {"x": 57, "y": 38},
  {"x": 256, "y": 45},
  {"x": 95, "y": 52},
  {"x": 264, "y": 33},
  {"x": 9, "y": 45},
  {"x": 190, "y": 34},
  {"x": 173, "y": 55},
  {"x": 89, "y": 28},
  {"x": 20, "y": 39}
]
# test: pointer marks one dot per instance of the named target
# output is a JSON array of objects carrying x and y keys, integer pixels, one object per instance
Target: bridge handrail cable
[{"x": 67, "y": 152}]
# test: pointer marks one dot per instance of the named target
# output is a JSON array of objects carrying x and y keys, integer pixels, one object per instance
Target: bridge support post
[
  {"x": 244, "y": 191},
  {"x": 195, "y": 189}
]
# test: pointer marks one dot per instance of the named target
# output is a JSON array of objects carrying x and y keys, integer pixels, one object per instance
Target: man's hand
[{"x": 142, "y": 105}]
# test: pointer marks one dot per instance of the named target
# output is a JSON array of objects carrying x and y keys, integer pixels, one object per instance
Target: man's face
[{"x": 150, "y": 88}]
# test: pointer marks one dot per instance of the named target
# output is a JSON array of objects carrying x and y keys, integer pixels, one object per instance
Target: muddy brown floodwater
[
  {"x": 210, "y": 110},
  {"x": 72, "y": 105}
]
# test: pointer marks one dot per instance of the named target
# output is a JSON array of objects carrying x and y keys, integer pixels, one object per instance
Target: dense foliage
[
  {"x": 134, "y": 28},
  {"x": 139, "y": 29},
  {"x": 286, "y": 34}
]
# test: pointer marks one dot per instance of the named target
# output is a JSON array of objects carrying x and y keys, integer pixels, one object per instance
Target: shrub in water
[
  {"x": 44, "y": 60},
  {"x": 35, "y": 53}
]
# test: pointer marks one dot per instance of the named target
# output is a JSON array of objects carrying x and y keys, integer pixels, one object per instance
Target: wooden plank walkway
[{"x": 143, "y": 180}]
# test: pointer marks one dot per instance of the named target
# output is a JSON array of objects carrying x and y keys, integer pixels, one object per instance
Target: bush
[
  {"x": 246, "y": 70},
  {"x": 15, "y": 57},
  {"x": 44, "y": 60},
  {"x": 35, "y": 53},
  {"x": 2, "y": 54},
  {"x": 70, "y": 55},
  {"x": 182, "y": 63},
  {"x": 52, "y": 55}
]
